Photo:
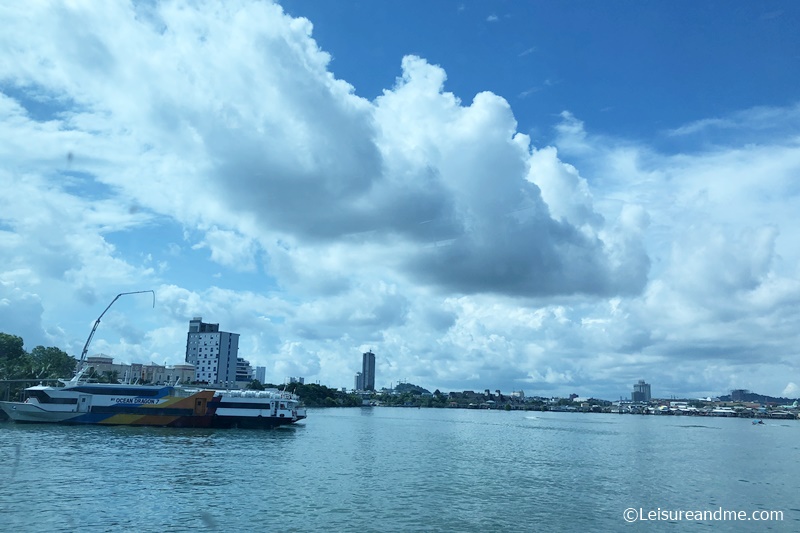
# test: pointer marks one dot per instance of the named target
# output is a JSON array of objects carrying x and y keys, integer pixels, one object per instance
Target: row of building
[{"x": 212, "y": 358}]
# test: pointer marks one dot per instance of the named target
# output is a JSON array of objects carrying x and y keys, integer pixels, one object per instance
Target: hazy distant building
[
  {"x": 641, "y": 392},
  {"x": 301, "y": 380},
  {"x": 368, "y": 371},
  {"x": 359, "y": 381},
  {"x": 261, "y": 374},
  {"x": 214, "y": 354}
]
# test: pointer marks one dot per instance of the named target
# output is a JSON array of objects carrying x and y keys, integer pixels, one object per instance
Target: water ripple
[{"x": 389, "y": 469}]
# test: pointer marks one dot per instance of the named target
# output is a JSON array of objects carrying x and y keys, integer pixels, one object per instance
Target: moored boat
[
  {"x": 80, "y": 402},
  {"x": 255, "y": 409}
]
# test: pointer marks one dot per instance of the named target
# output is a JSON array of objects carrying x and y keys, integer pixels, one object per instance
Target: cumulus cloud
[
  {"x": 230, "y": 249},
  {"x": 498, "y": 234},
  {"x": 417, "y": 224},
  {"x": 274, "y": 145},
  {"x": 791, "y": 391}
]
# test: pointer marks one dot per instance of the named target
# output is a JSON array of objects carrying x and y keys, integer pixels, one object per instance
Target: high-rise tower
[
  {"x": 368, "y": 370},
  {"x": 641, "y": 392}
]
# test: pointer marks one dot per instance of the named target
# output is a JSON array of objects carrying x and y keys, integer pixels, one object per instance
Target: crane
[{"x": 97, "y": 322}]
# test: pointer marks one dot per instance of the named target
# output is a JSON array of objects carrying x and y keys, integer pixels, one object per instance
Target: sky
[{"x": 554, "y": 197}]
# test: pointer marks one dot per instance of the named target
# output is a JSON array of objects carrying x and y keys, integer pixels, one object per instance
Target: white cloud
[
  {"x": 759, "y": 122},
  {"x": 230, "y": 249},
  {"x": 20, "y": 313},
  {"x": 421, "y": 226},
  {"x": 791, "y": 391}
]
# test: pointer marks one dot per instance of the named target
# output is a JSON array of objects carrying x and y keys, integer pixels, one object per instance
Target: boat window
[
  {"x": 43, "y": 397},
  {"x": 119, "y": 391}
]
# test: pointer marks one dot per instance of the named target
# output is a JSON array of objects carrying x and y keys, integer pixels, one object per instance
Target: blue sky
[
  {"x": 539, "y": 196},
  {"x": 631, "y": 69}
]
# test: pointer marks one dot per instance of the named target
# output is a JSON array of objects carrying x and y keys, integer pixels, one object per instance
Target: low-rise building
[{"x": 103, "y": 365}]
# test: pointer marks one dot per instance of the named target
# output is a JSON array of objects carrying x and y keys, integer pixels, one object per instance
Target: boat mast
[{"x": 97, "y": 323}]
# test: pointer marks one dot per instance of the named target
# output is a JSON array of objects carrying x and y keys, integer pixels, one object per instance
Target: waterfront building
[
  {"x": 301, "y": 380},
  {"x": 359, "y": 382},
  {"x": 244, "y": 372},
  {"x": 213, "y": 353},
  {"x": 147, "y": 373},
  {"x": 104, "y": 364},
  {"x": 180, "y": 374},
  {"x": 641, "y": 392},
  {"x": 368, "y": 370}
]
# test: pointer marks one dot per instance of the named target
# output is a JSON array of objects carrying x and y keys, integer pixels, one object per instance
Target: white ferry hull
[
  {"x": 249, "y": 409},
  {"x": 25, "y": 412}
]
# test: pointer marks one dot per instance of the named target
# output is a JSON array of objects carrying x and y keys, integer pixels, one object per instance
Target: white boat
[
  {"x": 80, "y": 402},
  {"x": 251, "y": 408}
]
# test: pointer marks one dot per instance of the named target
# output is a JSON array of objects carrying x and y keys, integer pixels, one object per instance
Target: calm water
[{"x": 394, "y": 469}]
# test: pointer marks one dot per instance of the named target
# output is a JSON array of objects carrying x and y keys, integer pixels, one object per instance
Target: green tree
[
  {"x": 11, "y": 347},
  {"x": 14, "y": 360},
  {"x": 51, "y": 363},
  {"x": 255, "y": 385}
]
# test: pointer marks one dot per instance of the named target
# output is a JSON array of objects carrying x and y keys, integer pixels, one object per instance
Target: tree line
[
  {"x": 39, "y": 363},
  {"x": 313, "y": 394}
]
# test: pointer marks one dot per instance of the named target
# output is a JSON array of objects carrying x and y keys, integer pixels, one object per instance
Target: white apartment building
[{"x": 213, "y": 353}]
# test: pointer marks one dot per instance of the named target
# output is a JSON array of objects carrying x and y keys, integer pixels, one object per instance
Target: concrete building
[
  {"x": 167, "y": 375},
  {"x": 244, "y": 372},
  {"x": 261, "y": 374},
  {"x": 145, "y": 373},
  {"x": 213, "y": 354},
  {"x": 641, "y": 392},
  {"x": 104, "y": 364},
  {"x": 180, "y": 373},
  {"x": 368, "y": 370},
  {"x": 359, "y": 382}
]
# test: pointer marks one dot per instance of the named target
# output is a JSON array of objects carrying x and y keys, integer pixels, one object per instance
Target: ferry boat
[
  {"x": 80, "y": 402},
  {"x": 255, "y": 409}
]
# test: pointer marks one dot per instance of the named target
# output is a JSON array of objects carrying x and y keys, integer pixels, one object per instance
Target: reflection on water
[{"x": 385, "y": 469}]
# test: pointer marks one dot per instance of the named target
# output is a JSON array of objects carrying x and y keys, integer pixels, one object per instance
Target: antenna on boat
[{"x": 97, "y": 323}]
